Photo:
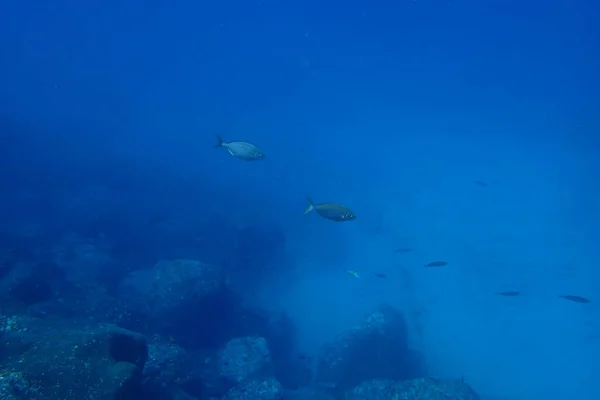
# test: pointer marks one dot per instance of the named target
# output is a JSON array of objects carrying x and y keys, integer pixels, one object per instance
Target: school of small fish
[{"x": 339, "y": 213}]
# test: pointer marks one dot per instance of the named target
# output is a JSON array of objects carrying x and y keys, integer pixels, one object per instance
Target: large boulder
[
  {"x": 167, "y": 370},
  {"x": 172, "y": 296},
  {"x": 43, "y": 287},
  {"x": 84, "y": 259},
  {"x": 256, "y": 389},
  {"x": 205, "y": 381},
  {"x": 377, "y": 348},
  {"x": 51, "y": 360},
  {"x": 217, "y": 371},
  {"x": 33, "y": 282},
  {"x": 246, "y": 357},
  {"x": 307, "y": 393},
  {"x": 414, "y": 389}
]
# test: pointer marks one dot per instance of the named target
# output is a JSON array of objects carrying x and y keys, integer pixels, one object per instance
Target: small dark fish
[
  {"x": 509, "y": 293},
  {"x": 436, "y": 264},
  {"x": 402, "y": 250},
  {"x": 480, "y": 183},
  {"x": 576, "y": 299},
  {"x": 331, "y": 211},
  {"x": 380, "y": 275}
]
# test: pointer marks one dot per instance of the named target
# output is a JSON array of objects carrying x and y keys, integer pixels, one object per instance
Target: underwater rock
[
  {"x": 89, "y": 302},
  {"x": 245, "y": 357},
  {"x": 217, "y": 371},
  {"x": 307, "y": 393},
  {"x": 61, "y": 361},
  {"x": 83, "y": 261},
  {"x": 10, "y": 257},
  {"x": 415, "y": 389},
  {"x": 377, "y": 348},
  {"x": 205, "y": 380},
  {"x": 178, "y": 395},
  {"x": 174, "y": 293},
  {"x": 167, "y": 370},
  {"x": 32, "y": 282},
  {"x": 14, "y": 387},
  {"x": 256, "y": 389}
]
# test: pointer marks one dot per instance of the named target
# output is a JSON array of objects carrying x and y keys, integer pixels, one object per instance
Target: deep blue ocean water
[{"x": 461, "y": 131}]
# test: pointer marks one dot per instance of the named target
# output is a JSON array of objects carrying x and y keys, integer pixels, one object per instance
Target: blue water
[{"x": 109, "y": 111}]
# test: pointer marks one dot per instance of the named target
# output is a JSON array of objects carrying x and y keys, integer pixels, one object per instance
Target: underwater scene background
[{"x": 156, "y": 159}]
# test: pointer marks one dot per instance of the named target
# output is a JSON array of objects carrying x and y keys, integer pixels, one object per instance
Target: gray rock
[
  {"x": 241, "y": 359},
  {"x": 256, "y": 389},
  {"x": 414, "y": 389},
  {"x": 73, "y": 362},
  {"x": 168, "y": 367},
  {"x": 82, "y": 259},
  {"x": 171, "y": 288},
  {"x": 246, "y": 357},
  {"x": 377, "y": 348},
  {"x": 206, "y": 375},
  {"x": 307, "y": 393},
  {"x": 14, "y": 387},
  {"x": 182, "y": 395},
  {"x": 375, "y": 389},
  {"x": 30, "y": 282}
]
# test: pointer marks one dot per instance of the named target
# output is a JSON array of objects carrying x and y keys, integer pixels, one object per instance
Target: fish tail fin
[
  {"x": 311, "y": 206},
  {"x": 219, "y": 143}
]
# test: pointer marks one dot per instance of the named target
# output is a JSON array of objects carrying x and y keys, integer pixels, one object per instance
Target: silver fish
[
  {"x": 331, "y": 211},
  {"x": 242, "y": 150}
]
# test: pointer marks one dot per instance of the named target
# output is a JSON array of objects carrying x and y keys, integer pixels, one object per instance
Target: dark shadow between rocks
[{"x": 127, "y": 348}]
